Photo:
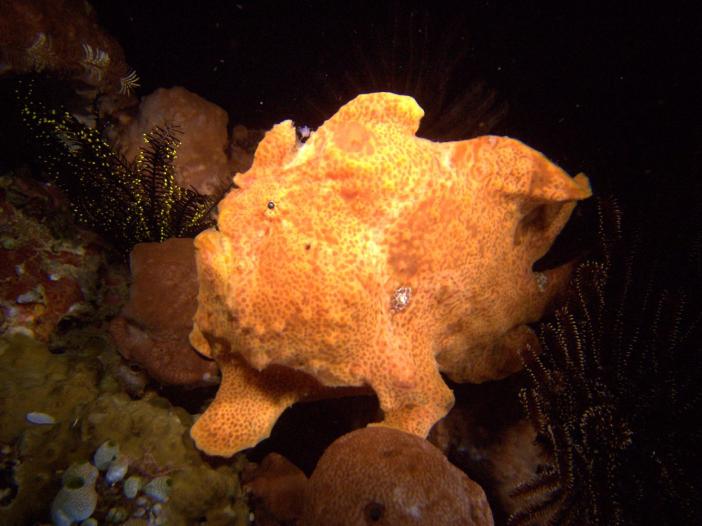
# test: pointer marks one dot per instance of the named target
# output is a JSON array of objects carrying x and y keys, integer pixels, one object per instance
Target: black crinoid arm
[
  {"x": 614, "y": 393},
  {"x": 126, "y": 202}
]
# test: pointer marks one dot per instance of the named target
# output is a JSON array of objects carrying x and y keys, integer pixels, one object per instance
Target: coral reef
[
  {"x": 148, "y": 437},
  {"x": 121, "y": 498},
  {"x": 368, "y": 256},
  {"x": 127, "y": 203},
  {"x": 614, "y": 395},
  {"x": 154, "y": 325},
  {"x": 45, "y": 276},
  {"x": 150, "y": 434},
  {"x": 386, "y": 476}
]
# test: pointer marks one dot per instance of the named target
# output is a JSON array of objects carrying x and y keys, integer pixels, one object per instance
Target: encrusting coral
[{"x": 369, "y": 256}]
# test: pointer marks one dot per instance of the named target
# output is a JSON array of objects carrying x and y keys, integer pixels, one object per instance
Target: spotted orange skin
[{"x": 368, "y": 256}]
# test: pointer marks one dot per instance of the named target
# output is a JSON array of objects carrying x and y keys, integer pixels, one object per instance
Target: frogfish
[{"x": 369, "y": 257}]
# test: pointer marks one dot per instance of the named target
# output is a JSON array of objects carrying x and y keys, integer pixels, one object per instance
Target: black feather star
[
  {"x": 128, "y": 203},
  {"x": 615, "y": 396}
]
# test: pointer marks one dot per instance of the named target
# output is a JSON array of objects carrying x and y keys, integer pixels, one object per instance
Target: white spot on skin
[{"x": 400, "y": 299}]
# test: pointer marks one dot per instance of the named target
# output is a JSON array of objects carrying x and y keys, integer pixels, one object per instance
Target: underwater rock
[
  {"x": 50, "y": 35},
  {"x": 154, "y": 325},
  {"x": 390, "y": 477},
  {"x": 369, "y": 256},
  {"x": 202, "y": 162},
  {"x": 371, "y": 475},
  {"x": 150, "y": 432}
]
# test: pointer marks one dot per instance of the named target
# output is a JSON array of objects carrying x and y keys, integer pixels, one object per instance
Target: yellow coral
[{"x": 371, "y": 257}]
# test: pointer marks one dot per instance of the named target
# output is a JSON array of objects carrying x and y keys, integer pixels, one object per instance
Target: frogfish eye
[{"x": 271, "y": 205}]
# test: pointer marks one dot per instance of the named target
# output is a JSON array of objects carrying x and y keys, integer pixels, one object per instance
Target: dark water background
[{"x": 603, "y": 88}]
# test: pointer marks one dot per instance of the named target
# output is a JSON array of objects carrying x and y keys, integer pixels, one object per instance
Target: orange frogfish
[{"x": 368, "y": 256}]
